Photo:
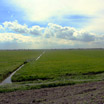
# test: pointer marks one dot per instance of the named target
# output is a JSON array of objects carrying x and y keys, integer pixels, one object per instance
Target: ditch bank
[{"x": 8, "y": 79}]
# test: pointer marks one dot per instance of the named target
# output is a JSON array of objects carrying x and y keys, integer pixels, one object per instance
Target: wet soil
[{"x": 88, "y": 93}]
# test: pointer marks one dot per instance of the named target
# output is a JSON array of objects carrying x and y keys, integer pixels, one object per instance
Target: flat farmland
[
  {"x": 10, "y": 60},
  {"x": 64, "y": 65}
]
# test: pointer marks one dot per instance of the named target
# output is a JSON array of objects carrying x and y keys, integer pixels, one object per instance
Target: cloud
[
  {"x": 85, "y": 36},
  {"x": 97, "y": 24},
  {"x": 86, "y": 14},
  {"x": 22, "y": 29},
  {"x": 40, "y": 10},
  {"x": 36, "y": 30},
  {"x": 14, "y": 26},
  {"x": 1, "y": 27},
  {"x": 51, "y": 31},
  {"x": 53, "y": 36},
  {"x": 68, "y": 33},
  {"x": 18, "y": 41},
  {"x": 54, "y": 30},
  {"x": 10, "y": 37}
]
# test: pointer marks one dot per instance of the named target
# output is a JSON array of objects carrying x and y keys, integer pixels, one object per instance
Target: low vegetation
[
  {"x": 64, "y": 65},
  {"x": 54, "y": 68},
  {"x": 10, "y": 60},
  {"x": 28, "y": 86}
]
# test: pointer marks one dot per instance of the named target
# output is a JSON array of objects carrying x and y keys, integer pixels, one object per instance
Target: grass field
[
  {"x": 64, "y": 65},
  {"x": 10, "y": 60}
]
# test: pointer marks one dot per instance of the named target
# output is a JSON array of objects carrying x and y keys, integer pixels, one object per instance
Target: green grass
[
  {"x": 10, "y": 60},
  {"x": 64, "y": 65},
  {"x": 16, "y": 87},
  {"x": 54, "y": 68}
]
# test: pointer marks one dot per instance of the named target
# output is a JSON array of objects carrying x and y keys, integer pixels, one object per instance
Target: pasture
[
  {"x": 64, "y": 65},
  {"x": 53, "y": 68},
  {"x": 10, "y": 60}
]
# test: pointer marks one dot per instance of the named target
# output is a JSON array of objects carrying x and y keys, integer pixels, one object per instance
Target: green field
[
  {"x": 64, "y": 65},
  {"x": 10, "y": 60},
  {"x": 54, "y": 68}
]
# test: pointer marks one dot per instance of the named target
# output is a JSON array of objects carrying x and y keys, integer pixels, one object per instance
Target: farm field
[
  {"x": 64, "y": 65},
  {"x": 10, "y": 60},
  {"x": 53, "y": 68}
]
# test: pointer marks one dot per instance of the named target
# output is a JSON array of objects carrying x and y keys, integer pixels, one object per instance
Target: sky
[{"x": 51, "y": 24}]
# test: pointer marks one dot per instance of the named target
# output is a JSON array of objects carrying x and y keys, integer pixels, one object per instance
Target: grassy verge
[{"x": 21, "y": 87}]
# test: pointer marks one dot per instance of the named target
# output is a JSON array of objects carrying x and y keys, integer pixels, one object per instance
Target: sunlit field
[
  {"x": 53, "y": 68},
  {"x": 59, "y": 65},
  {"x": 10, "y": 60}
]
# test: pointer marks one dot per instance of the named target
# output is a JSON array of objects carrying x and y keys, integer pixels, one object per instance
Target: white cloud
[
  {"x": 46, "y": 10},
  {"x": 10, "y": 37},
  {"x": 68, "y": 33},
  {"x": 22, "y": 29},
  {"x": 14, "y": 26},
  {"x": 85, "y": 36},
  {"x": 97, "y": 24},
  {"x": 39, "y": 10},
  {"x": 51, "y": 31},
  {"x": 36, "y": 30},
  {"x": 19, "y": 41},
  {"x": 54, "y": 36}
]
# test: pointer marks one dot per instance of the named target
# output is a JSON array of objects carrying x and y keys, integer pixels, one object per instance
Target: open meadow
[
  {"x": 10, "y": 60},
  {"x": 53, "y": 68},
  {"x": 63, "y": 65}
]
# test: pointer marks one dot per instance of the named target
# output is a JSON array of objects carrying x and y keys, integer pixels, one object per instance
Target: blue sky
[{"x": 51, "y": 24}]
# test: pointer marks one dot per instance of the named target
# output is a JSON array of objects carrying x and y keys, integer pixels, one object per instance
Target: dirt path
[{"x": 89, "y": 93}]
